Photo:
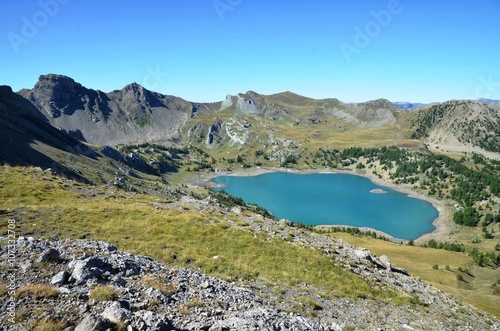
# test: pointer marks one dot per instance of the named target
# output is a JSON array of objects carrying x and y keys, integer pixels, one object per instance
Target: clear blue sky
[{"x": 418, "y": 50}]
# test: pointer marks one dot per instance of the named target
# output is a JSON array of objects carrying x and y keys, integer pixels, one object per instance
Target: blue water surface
[{"x": 334, "y": 199}]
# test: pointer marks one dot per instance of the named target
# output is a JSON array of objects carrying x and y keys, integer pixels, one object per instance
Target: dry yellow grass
[{"x": 37, "y": 291}]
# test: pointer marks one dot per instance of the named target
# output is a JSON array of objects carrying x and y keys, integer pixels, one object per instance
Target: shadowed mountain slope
[{"x": 25, "y": 134}]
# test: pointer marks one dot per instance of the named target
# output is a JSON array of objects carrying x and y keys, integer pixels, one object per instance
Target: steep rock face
[
  {"x": 464, "y": 124},
  {"x": 210, "y": 134},
  {"x": 56, "y": 95},
  {"x": 131, "y": 115}
]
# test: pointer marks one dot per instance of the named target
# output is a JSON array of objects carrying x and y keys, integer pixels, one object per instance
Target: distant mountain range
[
  {"x": 412, "y": 105},
  {"x": 489, "y": 101},
  {"x": 415, "y": 105}
]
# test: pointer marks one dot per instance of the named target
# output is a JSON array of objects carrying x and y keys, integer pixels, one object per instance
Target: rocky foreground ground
[{"x": 90, "y": 285}]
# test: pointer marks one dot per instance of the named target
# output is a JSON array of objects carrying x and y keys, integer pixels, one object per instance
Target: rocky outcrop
[
  {"x": 256, "y": 104},
  {"x": 214, "y": 135},
  {"x": 131, "y": 160},
  {"x": 211, "y": 134}
]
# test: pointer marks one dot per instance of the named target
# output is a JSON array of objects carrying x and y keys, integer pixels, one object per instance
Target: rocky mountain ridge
[
  {"x": 130, "y": 115},
  {"x": 135, "y": 114}
]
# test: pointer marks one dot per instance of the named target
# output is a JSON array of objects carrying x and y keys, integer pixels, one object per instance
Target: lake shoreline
[{"x": 441, "y": 223}]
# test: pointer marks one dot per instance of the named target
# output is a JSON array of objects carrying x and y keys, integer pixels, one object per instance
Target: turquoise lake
[{"x": 334, "y": 199}]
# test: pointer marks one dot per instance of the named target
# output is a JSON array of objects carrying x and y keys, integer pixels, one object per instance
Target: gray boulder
[
  {"x": 158, "y": 295},
  {"x": 93, "y": 322},
  {"x": 384, "y": 259},
  {"x": 83, "y": 270},
  {"x": 49, "y": 255},
  {"x": 116, "y": 314},
  {"x": 60, "y": 278},
  {"x": 148, "y": 320}
]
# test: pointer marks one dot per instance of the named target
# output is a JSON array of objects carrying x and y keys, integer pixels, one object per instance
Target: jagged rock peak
[
  {"x": 58, "y": 88},
  {"x": 134, "y": 87},
  {"x": 60, "y": 81}
]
